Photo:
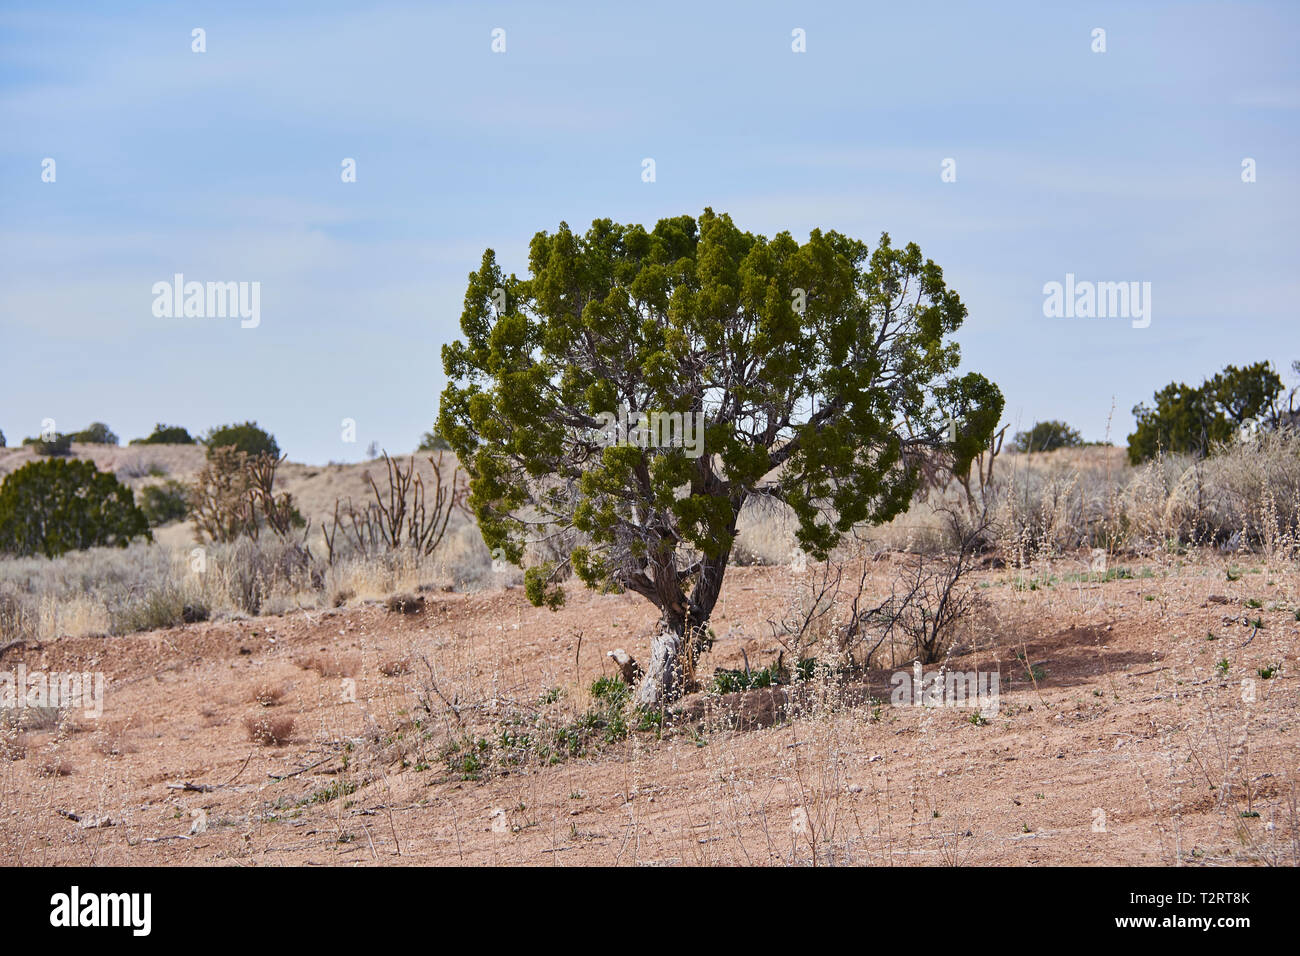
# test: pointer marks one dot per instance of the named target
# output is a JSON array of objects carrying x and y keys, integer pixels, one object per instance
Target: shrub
[
  {"x": 1046, "y": 436},
  {"x": 159, "y": 607},
  {"x": 59, "y": 446},
  {"x": 268, "y": 694},
  {"x": 166, "y": 435},
  {"x": 248, "y": 438},
  {"x": 96, "y": 433},
  {"x": 49, "y": 507},
  {"x": 235, "y": 495},
  {"x": 268, "y": 729},
  {"x": 254, "y": 571},
  {"x": 404, "y": 514},
  {"x": 1247, "y": 493},
  {"x": 164, "y": 503}
]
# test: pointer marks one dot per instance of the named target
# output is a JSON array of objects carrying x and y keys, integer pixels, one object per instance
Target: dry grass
[
  {"x": 113, "y": 742},
  {"x": 13, "y": 743},
  {"x": 269, "y": 729},
  {"x": 268, "y": 695}
]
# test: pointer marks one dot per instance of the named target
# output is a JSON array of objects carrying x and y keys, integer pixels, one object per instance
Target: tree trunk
[
  {"x": 664, "y": 680},
  {"x": 665, "y": 675}
]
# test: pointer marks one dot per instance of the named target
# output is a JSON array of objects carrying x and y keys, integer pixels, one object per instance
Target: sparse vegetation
[{"x": 165, "y": 606}]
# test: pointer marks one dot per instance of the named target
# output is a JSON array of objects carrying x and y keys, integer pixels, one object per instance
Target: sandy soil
[{"x": 1118, "y": 739}]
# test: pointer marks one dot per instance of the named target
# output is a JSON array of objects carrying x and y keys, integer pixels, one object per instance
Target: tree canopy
[
  {"x": 1047, "y": 436},
  {"x": 248, "y": 438},
  {"x": 165, "y": 435},
  {"x": 96, "y": 433},
  {"x": 1192, "y": 421}
]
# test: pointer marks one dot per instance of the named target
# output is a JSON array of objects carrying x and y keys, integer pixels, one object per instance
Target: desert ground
[{"x": 1134, "y": 728}]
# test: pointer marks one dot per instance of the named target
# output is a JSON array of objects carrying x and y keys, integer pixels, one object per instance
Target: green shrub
[
  {"x": 96, "y": 433},
  {"x": 248, "y": 438},
  {"x": 166, "y": 502},
  {"x": 166, "y": 435},
  {"x": 1047, "y": 436},
  {"x": 49, "y": 507},
  {"x": 60, "y": 446},
  {"x": 730, "y": 681}
]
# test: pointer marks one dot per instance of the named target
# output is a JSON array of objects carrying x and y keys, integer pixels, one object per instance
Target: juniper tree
[
  {"x": 50, "y": 507},
  {"x": 1186, "y": 420},
  {"x": 824, "y": 373}
]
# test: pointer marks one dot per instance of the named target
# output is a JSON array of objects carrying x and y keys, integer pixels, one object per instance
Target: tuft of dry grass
[
  {"x": 268, "y": 694},
  {"x": 269, "y": 729}
]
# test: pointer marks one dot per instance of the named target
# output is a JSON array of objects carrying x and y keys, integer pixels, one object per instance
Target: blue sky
[{"x": 225, "y": 165}]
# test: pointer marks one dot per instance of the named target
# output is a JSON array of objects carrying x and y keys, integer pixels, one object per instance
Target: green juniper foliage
[
  {"x": 57, "y": 446},
  {"x": 1047, "y": 436},
  {"x": 52, "y": 506},
  {"x": 824, "y": 371},
  {"x": 166, "y": 435},
  {"x": 169, "y": 501},
  {"x": 432, "y": 441},
  {"x": 1187, "y": 420},
  {"x": 248, "y": 438},
  {"x": 96, "y": 433}
]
